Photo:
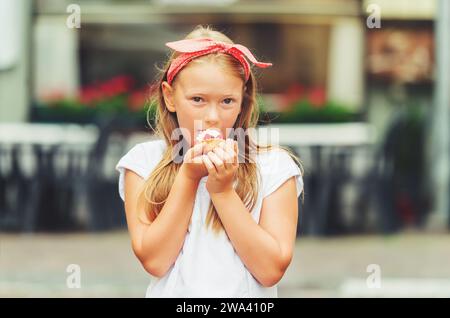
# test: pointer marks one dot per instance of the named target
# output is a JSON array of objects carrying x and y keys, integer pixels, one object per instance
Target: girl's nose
[{"x": 212, "y": 115}]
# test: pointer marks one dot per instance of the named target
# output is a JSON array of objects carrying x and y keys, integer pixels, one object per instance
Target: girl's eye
[
  {"x": 197, "y": 99},
  {"x": 228, "y": 101}
]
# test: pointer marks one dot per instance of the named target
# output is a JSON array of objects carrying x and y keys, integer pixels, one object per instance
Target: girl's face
[{"x": 205, "y": 95}]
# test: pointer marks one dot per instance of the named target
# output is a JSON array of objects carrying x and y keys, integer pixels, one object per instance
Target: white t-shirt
[{"x": 208, "y": 265}]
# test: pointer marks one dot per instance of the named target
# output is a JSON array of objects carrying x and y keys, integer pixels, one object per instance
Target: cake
[{"x": 211, "y": 137}]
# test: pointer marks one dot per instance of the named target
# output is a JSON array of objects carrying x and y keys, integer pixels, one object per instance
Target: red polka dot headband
[{"x": 193, "y": 48}]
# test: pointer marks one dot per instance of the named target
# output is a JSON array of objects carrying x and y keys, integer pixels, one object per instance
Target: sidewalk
[{"x": 413, "y": 265}]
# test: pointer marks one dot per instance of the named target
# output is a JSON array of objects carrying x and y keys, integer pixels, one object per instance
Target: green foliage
[{"x": 304, "y": 111}]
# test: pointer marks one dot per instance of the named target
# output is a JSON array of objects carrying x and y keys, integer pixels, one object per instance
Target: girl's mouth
[{"x": 210, "y": 133}]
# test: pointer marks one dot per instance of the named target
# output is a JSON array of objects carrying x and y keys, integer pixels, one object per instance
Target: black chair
[
  {"x": 51, "y": 203},
  {"x": 14, "y": 191},
  {"x": 104, "y": 203}
]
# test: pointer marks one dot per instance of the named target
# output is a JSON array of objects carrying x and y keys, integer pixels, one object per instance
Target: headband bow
[{"x": 193, "y": 48}]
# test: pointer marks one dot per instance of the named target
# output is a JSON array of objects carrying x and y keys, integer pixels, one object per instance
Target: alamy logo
[
  {"x": 74, "y": 19},
  {"x": 74, "y": 279},
  {"x": 374, "y": 279},
  {"x": 374, "y": 19}
]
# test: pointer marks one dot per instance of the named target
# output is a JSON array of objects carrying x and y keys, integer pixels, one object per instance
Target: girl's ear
[{"x": 168, "y": 96}]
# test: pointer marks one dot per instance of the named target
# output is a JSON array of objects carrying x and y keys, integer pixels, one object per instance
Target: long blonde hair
[{"x": 157, "y": 187}]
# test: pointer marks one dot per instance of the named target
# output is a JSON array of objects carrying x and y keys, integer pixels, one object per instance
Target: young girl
[{"x": 215, "y": 223}]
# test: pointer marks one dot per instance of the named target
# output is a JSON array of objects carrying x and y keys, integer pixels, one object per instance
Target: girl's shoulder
[
  {"x": 142, "y": 157},
  {"x": 273, "y": 158},
  {"x": 150, "y": 148},
  {"x": 276, "y": 166}
]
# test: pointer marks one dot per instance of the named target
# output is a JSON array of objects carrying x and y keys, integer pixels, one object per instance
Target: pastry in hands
[{"x": 210, "y": 137}]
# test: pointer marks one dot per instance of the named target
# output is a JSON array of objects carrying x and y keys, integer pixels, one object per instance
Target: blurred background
[{"x": 359, "y": 90}]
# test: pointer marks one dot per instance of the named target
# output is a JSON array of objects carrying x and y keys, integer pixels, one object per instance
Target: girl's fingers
[
  {"x": 209, "y": 165},
  {"x": 218, "y": 163},
  {"x": 197, "y": 150},
  {"x": 193, "y": 152},
  {"x": 197, "y": 159},
  {"x": 222, "y": 154}
]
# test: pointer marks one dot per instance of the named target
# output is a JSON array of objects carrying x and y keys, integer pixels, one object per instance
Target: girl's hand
[
  {"x": 222, "y": 164},
  {"x": 193, "y": 166}
]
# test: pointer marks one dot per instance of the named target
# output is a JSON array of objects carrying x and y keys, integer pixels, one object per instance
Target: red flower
[
  {"x": 89, "y": 95},
  {"x": 295, "y": 90},
  {"x": 116, "y": 86},
  {"x": 317, "y": 97},
  {"x": 137, "y": 99},
  {"x": 293, "y": 93},
  {"x": 121, "y": 84}
]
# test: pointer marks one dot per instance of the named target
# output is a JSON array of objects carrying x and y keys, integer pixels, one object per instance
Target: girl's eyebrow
[{"x": 203, "y": 94}]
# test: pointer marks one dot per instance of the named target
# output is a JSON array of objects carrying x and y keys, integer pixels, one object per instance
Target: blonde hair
[{"x": 157, "y": 187}]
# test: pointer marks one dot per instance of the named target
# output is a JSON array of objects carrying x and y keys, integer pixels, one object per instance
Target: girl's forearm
[
  {"x": 258, "y": 250},
  {"x": 164, "y": 238}
]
